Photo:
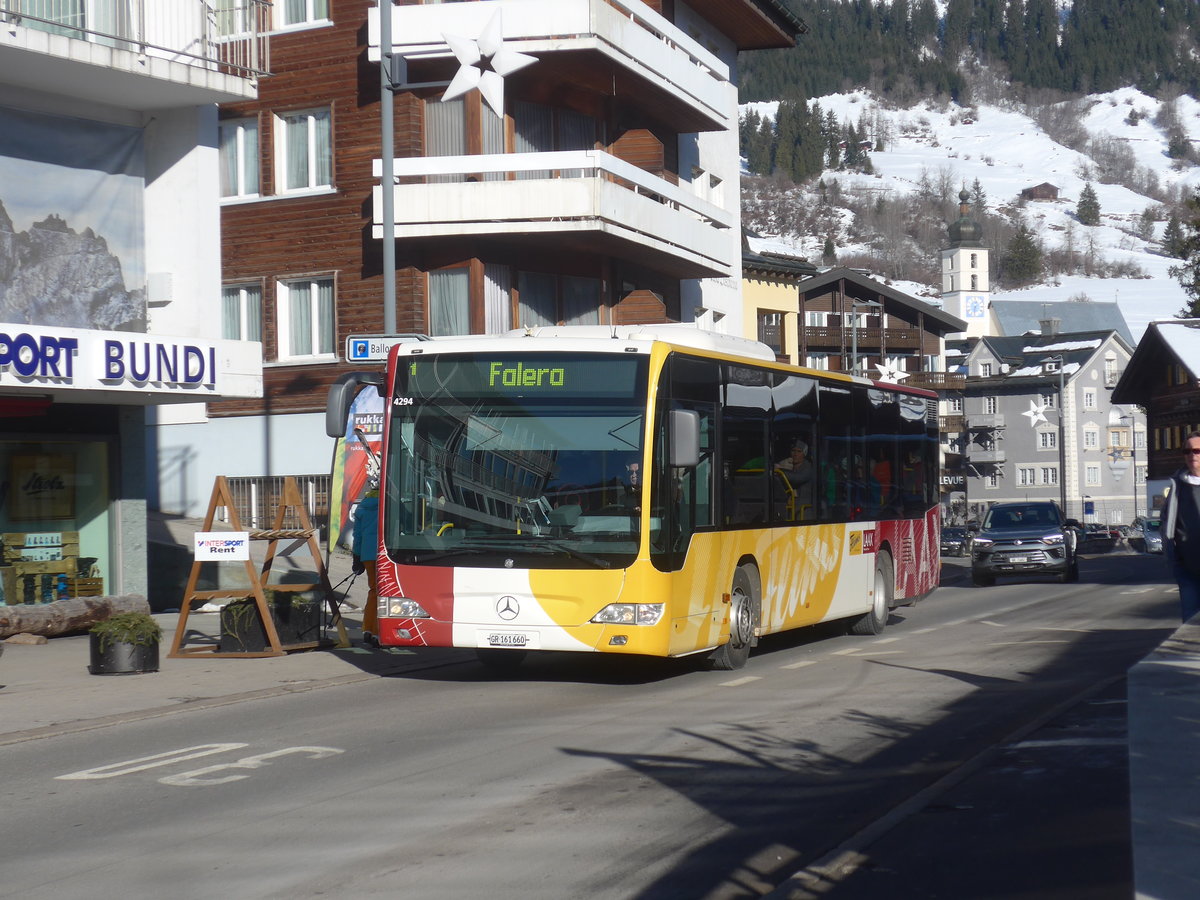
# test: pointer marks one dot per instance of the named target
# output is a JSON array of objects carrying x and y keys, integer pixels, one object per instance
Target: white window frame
[
  {"x": 1091, "y": 438},
  {"x": 249, "y": 319},
  {"x": 1047, "y": 440},
  {"x": 954, "y": 404},
  {"x": 315, "y": 183},
  {"x": 1049, "y": 475},
  {"x": 247, "y": 163},
  {"x": 310, "y": 18},
  {"x": 985, "y": 370},
  {"x": 817, "y": 361},
  {"x": 1089, "y": 398},
  {"x": 1026, "y": 476},
  {"x": 1092, "y": 475},
  {"x": 991, "y": 481},
  {"x": 1049, "y": 401},
  {"x": 990, "y": 405},
  {"x": 815, "y": 318},
  {"x": 285, "y": 352}
]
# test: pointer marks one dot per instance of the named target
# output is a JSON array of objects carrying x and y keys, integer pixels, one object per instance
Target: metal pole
[
  {"x": 854, "y": 337},
  {"x": 1062, "y": 440},
  {"x": 388, "y": 179}
]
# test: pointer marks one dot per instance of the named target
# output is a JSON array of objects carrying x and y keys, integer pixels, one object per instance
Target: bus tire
[
  {"x": 501, "y": 660},
  {"x": 881, "y": 602},
  {"x": 743, "y": 621}
]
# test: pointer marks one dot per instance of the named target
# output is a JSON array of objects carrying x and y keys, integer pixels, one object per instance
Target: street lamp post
[
  {"x": 854, "y": 305},
  {"x": 1132, "y": 420},
  {"x": 387, "y": 85},
  {"x": 1062, "y": 443}
]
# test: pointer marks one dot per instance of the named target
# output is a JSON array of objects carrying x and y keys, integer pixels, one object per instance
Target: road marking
[
  {"x": 800, "y": 665},
  {"x": 201, "y": 777},
  {"x": 1071, "y": 742},
  {"x": 990, "y": 622},
  {"x": 738, "y": 682},
  {"x": 1144, "y": 590},
  {"x": 1003, "y": 643},
  {"x": 849, "y": 651},
  {"x": 889, "y": 640},
  {"x": 869, "y": 654},
  {"x": 149, "y": 762}
]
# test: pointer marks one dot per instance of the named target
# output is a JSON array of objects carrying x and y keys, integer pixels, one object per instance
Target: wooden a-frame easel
[{"x": 289, "y": 500}]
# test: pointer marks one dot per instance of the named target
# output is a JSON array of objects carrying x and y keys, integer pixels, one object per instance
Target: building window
[
  {"x": 954, "y": 404},
  {"x": 1091, "y": 439},
  {"x": 817, "y": 361},
  {"x": 985, "y": 370},
  {"x": 239, "y": 158},
  {"x": 1116, "y": 438},
  {"x": 974, "y": 260},
  {"x": 306, "y": 326},
  {"x": 1139, "y": 440},
  {"x": 233, "y": 17},
  {"x": 990, "y": 404},
  {"x": 301, "y": 12},
  {"x": 305, "y": 150},
  {"x": 241, "y": 312},
  {"x": 1089, "y": 398},
  {"x": 449, "y": 302},
  {"x": 814, "y": 319},
  {"x": 1092, "y": 476},
  {"x": 1026, "y": 476},
  {"x": 974, "y": 282},
  {"x": 548, "y": 299},
  {"x": 770, "y": 331},
  {"x": 1049, "y": 474},
  {"x": 1140, "y": 475},
  {"x": 1110, "y": 372},
  {"x": 991, "y": 480},
  {"x": 1047, "y": 440},
  {"x": 1048, "y": 401}
]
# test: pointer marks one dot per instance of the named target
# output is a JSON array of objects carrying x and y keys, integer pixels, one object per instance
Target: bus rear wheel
[
  {"x": 743, "y": 620},
  {"x": 881, "y": 603}
]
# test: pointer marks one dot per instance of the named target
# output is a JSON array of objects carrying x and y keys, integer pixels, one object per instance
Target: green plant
[{"x": 128, "y": 628}]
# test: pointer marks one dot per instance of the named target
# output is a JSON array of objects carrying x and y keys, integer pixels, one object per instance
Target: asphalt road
[{"x": 606, "y": 778}]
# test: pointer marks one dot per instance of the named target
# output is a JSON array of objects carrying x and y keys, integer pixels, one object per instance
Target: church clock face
[{"x": 974, "y": 307}]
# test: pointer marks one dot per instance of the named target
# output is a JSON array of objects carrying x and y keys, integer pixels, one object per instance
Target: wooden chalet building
[{"x": 596, "y": 183}]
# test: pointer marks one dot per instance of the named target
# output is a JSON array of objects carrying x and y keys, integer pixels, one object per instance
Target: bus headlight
[
  {"x": 629, "y": 614},
  {"x": 401, "y": 608}
]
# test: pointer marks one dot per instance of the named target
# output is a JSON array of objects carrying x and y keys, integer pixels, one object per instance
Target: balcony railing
[
  {"x": 867, "y": 337},
  {"x": 626, "y": 33},
  {"x": 950, "y": 424},
  {"x": 986, "y": 420},
  {"x": 938, "y": 381},
  {"x": 227, "y": 36},
  {"x": 987, "y": 457},
  {"x": 587, "y": 191}
]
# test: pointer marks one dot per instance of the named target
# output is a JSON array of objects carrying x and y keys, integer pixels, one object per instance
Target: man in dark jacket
[{"x": 1181, "y": 527}]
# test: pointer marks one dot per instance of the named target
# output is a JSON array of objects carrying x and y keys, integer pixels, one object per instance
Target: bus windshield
[{"x": 529, "y": 461}]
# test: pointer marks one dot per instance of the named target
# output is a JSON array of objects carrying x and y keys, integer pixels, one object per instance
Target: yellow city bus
[{"x": 654, "y": 490}]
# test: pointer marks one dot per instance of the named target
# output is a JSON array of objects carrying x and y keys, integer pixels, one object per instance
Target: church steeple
[{"x": 966, "y": 287}]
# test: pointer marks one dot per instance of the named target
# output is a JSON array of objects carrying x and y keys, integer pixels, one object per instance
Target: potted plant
[
  {"x": 297, "y": 618},
  {"x": 125, "y": 644}
]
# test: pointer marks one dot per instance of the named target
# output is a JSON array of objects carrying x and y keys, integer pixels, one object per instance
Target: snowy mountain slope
[{"x": 1007, "y": 151}]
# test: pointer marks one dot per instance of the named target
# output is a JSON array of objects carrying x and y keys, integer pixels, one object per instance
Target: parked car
[
  {"x": 956, "y": 541},
  {"x": 1096, "y": 538},
  {"x": 1024, "y": 538},
  {"x": 1152, "y": 536}
]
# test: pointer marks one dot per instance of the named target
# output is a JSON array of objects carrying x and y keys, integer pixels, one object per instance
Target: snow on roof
[
  {"x": 1184, "y": 340},
  {"x": 1065, "y": 345},
  {"x": 1027, "y": 371}
]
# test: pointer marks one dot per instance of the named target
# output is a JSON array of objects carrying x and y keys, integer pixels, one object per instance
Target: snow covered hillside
[{"x": 1007, "y": 152}]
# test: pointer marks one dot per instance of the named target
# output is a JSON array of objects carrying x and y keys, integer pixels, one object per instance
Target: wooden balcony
[{"x": 938, "y": 381}]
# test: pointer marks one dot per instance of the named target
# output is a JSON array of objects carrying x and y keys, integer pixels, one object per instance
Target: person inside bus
[{"x": 797, "y": 468}]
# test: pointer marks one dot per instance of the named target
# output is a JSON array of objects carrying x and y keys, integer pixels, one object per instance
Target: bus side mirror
[
  {"x": 685, "y": 438},
  {"x": 341, "y": 395}
]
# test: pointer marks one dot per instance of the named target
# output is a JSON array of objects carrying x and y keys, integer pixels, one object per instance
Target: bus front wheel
[
  {"x": 743, "y": 620},
  {"x": 875, "y": 620}
]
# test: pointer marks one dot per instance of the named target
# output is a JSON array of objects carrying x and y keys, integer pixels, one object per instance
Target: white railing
[
  {"x": 565, "y": 165},
  {"x": 229, "y": 36},
  {"x": 628, "y": 31}
]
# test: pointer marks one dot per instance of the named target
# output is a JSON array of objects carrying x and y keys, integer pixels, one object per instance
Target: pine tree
[
  {"x": 1173, "y": 238},
  {"x": 1188, "y": 274},
  {"x": 1088, "y": 210},
  {"x": 829, "y": 253},
  {"x": 1022, "y": 263}
]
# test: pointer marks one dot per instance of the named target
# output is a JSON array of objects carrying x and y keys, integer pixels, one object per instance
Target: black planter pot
[
  {"x": 117, "y": 658},
  {"x": 242, "y": 630}
]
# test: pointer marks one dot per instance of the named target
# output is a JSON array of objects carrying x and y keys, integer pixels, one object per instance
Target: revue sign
[{"x": 74, "y": 358}]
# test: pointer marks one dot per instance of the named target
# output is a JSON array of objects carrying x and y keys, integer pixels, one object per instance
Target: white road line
[
  {"x": 738, "y": 682},
  {"x": 990, "y": 622},
  {"x": 890, "y": 640},
  {"x": 1144, "y": 590},
  {"x": 1071, "y": 742},
  {"x": 800, "y": 665},
  {"x": 1003, "y": 643},
  {"x": 849, "y": 651},
  {"x": 872, "y": 653}
]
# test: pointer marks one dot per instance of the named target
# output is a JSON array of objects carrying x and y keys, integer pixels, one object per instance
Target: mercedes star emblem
[{"x": 507, "y": 608}]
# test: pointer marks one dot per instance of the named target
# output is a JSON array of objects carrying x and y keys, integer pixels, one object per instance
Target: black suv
[{"x": 1022, "y": 538}]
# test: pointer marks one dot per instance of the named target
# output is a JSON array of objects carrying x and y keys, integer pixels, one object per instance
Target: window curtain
[
  {"x": 581, "y": 300},
  {"x": 239, "y": 158},
  {"x": 309, "y": 154},
  {"x": 296, "y": 135},
  {"x": 241, "y": 313},
  {"x": 492, "y": 127},
  {"x": 445, "y": 133},
  {"x": 296, "y": 12},
  {"x": 299, "y": 320},
  {"x": 575, "y": 132},
  {"x": 449, "y": 302},
  {"x": 533, "y": 132},
  {"x": 322, "y": 149},
  {"x": 229, "y": 159},
  {"x": 231, "y": 314},
  {"x": 68, "y": 13},
  {"x": 324, "y": 290},
  {"x": 538, "y": 304},
  {"x": 497, "y": 298}
]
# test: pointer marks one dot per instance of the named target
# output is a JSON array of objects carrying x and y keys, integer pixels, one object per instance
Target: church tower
[{"x": 966, "y": 290}]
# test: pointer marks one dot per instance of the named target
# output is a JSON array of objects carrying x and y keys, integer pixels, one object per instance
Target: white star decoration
[
  {"x": 1036, "y": 413},
  {"x": 483, "y": 62},
  {"x": 889, "y": 370}
]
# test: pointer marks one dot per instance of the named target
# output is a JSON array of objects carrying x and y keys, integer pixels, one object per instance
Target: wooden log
[{"x": 66, "y": 616}]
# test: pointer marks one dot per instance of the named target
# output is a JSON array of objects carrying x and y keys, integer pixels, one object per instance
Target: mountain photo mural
[{"x": 71, "y": 223}]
